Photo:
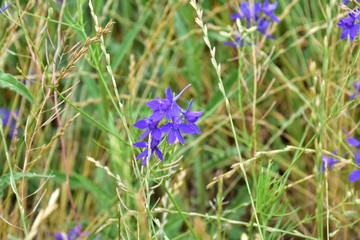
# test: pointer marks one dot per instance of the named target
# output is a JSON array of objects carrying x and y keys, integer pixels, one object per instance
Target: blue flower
[
  {"x": 353, "y": 142},
  {"x": 72, "y": 234},
  {"x": 262, "y": 26},
  {"x": 174, "y": 127},
  {"x": 328, "y": 162},
  {"x": 151, "y": 126},
  {"x": 8, "y": 119},
  {"x": 191, "y": 117},
  {"x": 238, "y": 42},
  {"x": 247, "y": 13},
  {"x": 144, "y": 155},
  {"x": 350, "y": 27},
  {"x": 347, "y": 1},
  {"x": 4, "y": 8},
  {"x": 165, "y": 107},
  {"x": 357, "y": 89},
  {"x": 253, "y": 17},
  {"x": 182, "y": 122},
  {"x": 355, "y": 175},
  {"x": 269, "y": 9}
]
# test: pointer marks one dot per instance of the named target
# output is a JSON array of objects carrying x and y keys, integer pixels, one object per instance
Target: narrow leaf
[{"x": 8, "y": 81}]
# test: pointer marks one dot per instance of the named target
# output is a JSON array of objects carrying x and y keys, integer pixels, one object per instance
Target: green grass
[{"x": 270, "y": 111}]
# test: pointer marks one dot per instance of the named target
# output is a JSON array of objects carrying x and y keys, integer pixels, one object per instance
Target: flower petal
[
  {"x": 169, "y": 94},
  {"x": 141, "y": 144},
  {"x": 142, "y": 154},
  {"x": 154, "y": 104},
  {"x": 159, "y": 154},
  {"x": 172, "y": 137},
  {"x": 157, "y": 134},
  {"x": 179, "y": 137},
  {"x": 235, "y": 16},
  {"x": 185, "y": 128},
  {"x": 166, "y": 127},
  {"x": 357, "y": 158},
  {"x": 141, "y": 124},
  {"x": 353, "y": 141},
  {"x": 157, "y": 116},
  {"x": 174, "y": 111},
  {"x": 145, "y": 134},
  {"x": 195, "y": 128},
  {"x": 354, "y": 175}
]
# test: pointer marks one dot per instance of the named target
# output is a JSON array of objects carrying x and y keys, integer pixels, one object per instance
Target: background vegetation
[{"x": 91, "y": 67}]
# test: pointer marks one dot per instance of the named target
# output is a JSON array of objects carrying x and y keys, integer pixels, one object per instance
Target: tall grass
[{"x": 271, "y": 110}]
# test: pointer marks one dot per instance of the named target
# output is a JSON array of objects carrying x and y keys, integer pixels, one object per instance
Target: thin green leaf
[{"x": 8, "y": 81}]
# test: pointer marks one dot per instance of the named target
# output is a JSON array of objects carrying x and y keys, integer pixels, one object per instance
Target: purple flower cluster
[
  {"x": 328, "y": 162},
  {"x": 350, "y": 24},
  {"x": 259, "y": 15},
  {"x": 8, "y": 119},
  {"x": 72, "y": 234},
  {"x": 177, "y": 122}
]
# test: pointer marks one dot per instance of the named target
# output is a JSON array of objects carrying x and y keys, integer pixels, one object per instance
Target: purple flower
[
  {"x": 4, "y": 8},
  {"x": 247, "y": 13},
  {"x": 252, "y": 16},
  {"x": 72, "y": 234},
  {"x": 174, "y": 127},
  {"x": 357, "y": 89},
  {"x": 350, "y": 28},
  {"x": 353, "y": 142},
  {"x": 328, "y": 162},
  {"x": 182, "y": 122},
  {"x": 347, "y": 1},
  {"x": 191, "y": 117},
  {"x": 5, "y": 116},
  {"x": 269, "y": 9},
  {"x": 165, "y": 107},
  {"x": 355, "y": 175},
  {"x": 151, "y": 126},
  {"x": 144, "y": 155},
  {"x": 262, "y": 26},
  {"x": 238, "y": 42}
]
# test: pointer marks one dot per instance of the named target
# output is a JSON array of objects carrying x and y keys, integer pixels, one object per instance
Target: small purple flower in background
[
  {"x": 357, "y": 89},
  {"x": 347, "y": 1},
  {"x": 5, "y": 8},
  {"x": 328, "y": 162},
  {"x": 238, "y": 42},
  {"x": 256, "y": 15},
  {"x": 177, "y": 122},
  {"x": 269, "y": 9},
  {"x": 350, "y": 26},
  {"x": 353, "y": 142},
  {"x": 248, "y": 13},
  {"x": 355, "y": 175},
  {"x": 5, "y": 116},
  {"x": 72, "y": 234},
  {"x": 262, "y": 26}
]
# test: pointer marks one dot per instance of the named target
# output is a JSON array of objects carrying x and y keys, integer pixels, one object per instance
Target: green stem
[
  {"x": 12, "y": 181},
  {"x": 180, "y": 212}
]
